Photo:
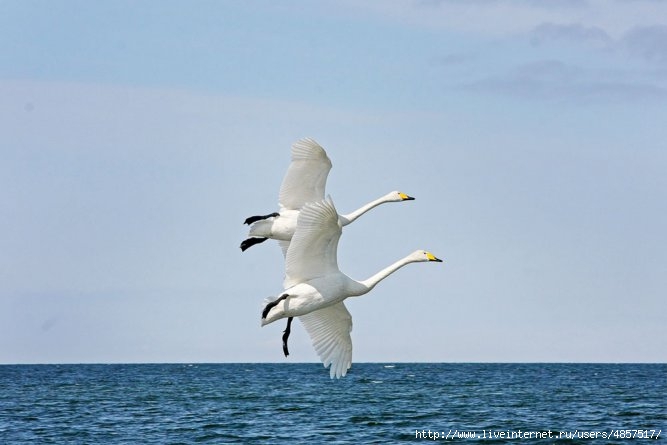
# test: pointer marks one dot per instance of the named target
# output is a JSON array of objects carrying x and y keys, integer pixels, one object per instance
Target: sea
[{"x": 298, "y": 403}]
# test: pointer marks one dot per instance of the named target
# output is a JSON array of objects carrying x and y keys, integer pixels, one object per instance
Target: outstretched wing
[
  {"x": 306, "y": 176},
  {"x": 313, "y": 251},
  {"x": 329, "y": 329}
]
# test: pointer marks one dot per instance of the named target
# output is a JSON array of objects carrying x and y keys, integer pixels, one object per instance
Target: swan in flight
[
  {"x": 304, "y": 182},
  {"x": 314, "y": 287}
]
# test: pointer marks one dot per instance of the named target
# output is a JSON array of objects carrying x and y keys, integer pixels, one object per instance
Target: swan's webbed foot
[
  {"x": 246, "y": 244},
  {"x": 256, "y": 218},
  {"x": 286, "y": 334},
  {"x": 272, "y": 304}
]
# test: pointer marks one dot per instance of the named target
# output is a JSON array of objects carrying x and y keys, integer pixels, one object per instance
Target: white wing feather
[
  {"x": 313, "y": 251},
  {"x": 284, "y": 245},
  {"x": 306, "y": 175},
  {"x": 329, "y": 330}
]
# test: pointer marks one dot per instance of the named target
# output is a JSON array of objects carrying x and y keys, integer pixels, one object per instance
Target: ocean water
[{"x": 298, "y": 403}]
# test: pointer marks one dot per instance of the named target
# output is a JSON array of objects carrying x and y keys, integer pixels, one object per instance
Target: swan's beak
[
  {"x": 405, "y": 197},
  {"x": 432, "y": 257}
]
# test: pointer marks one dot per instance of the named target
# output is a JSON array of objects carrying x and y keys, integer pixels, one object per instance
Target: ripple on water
[{"x": 118, "y": 404}]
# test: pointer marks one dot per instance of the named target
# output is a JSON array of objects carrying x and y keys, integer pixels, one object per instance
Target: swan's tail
[
  {"x": 261, "y": 228},
  {"x": 270, "y": 303}
]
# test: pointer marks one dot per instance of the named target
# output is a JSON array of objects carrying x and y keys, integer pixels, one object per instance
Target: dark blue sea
[{"x": 298, "y": 403}]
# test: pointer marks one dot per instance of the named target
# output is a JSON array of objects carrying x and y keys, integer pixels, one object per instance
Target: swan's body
[
  {"x": 303, "y": 183},
  {"x": 314, "y": 287}
]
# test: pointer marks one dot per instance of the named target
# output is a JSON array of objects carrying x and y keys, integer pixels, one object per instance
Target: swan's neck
[
  {"x": 371, "y": 282},
  {"x": 348, "y": 218}
]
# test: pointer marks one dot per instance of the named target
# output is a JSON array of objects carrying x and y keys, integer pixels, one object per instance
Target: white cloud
[
  {"x": 94, "y": 175},
  {"x": 556, "y": 81},
  {"x": 649, "y": 42},
  {"x": 575, "y": 33},
  {"x": 497, "y": 18}
]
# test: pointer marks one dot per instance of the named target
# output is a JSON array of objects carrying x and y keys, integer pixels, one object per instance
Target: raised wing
[
  {"x": 329, "y": 329},
  {"x": 313, "y": 251},
  {"x": 306, "y": 176}
]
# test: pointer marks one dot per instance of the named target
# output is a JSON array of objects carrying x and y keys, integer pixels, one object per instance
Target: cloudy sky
[{"x": 135, "y": 138}]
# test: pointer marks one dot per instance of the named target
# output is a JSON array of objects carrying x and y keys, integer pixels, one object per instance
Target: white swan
[
  {"x": 314, "y": 287},
  {"x": 304, "y": 182}
]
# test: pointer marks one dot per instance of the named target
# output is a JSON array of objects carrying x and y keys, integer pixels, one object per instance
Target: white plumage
[
  {"x": 315, "y": 288},
  {"x": 304, "y": 182}
]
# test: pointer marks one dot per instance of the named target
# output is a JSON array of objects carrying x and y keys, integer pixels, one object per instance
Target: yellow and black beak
[
  {"x": 405, "y": 197},
  {"x": 432, "y": 257}
]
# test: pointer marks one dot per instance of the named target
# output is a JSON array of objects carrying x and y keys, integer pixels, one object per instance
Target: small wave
[
  {"x": 271, "y": 403},
  {"x": 290, "y": 408},
  {"x": 366, "y": 420}
]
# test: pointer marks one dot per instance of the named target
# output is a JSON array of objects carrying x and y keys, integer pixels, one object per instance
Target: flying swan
[
  {"x": 314, "y": 287},
  {"x": 304, "y": 182}
]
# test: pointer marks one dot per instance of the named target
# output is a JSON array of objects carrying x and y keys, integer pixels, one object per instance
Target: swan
[
  {"x": 304, "y": 182},
  {"x": 314, "y": 287}
]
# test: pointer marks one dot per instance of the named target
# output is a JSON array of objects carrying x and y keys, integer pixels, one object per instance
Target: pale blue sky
[{"x": 136, "y": 137}]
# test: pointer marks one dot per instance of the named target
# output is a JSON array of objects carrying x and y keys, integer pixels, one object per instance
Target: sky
[{"x": 136, "y": 137}]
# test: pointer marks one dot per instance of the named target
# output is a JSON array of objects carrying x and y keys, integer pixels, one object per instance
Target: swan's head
[
  {"x": 422, "y": 255},
  {"x": 397, "y": 196}
]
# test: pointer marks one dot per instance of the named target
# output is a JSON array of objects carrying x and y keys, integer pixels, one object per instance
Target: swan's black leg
[
  {"x": 253, "y": 219},
  {"x": 246, "y": 244},
  {"x": 286, "y": 333},
  {"x": 271, "y": 305}
]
